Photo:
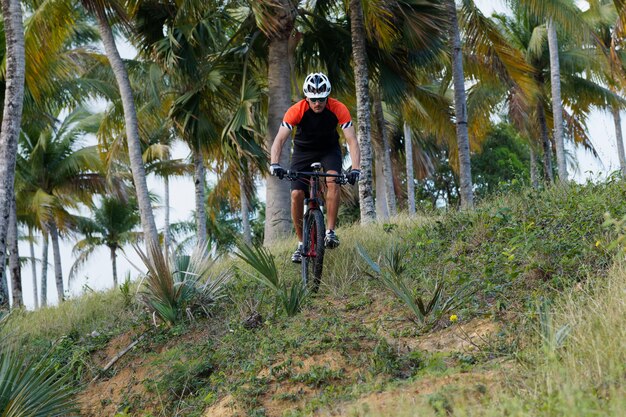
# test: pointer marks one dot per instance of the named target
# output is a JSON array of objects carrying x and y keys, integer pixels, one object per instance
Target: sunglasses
[{"x": 318, "y": 100}]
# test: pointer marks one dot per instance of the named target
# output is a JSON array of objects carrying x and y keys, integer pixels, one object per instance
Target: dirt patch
[
  {"x": 459, "y": 337},
  {"x": 105, "y": 397},
  {"x": 226, "y": 407},
  {"x": 386, "y": 403},
  {"x": 291, "y": 384}
]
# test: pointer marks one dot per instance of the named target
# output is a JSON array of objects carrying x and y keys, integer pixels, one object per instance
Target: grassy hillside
[{"x": 528, "y": 321}]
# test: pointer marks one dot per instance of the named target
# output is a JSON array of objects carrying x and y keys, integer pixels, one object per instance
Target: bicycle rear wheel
[{"x": 313, "y": 249}]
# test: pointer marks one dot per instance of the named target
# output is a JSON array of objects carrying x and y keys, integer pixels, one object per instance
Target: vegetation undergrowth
[{"x": 249, "y": 355}]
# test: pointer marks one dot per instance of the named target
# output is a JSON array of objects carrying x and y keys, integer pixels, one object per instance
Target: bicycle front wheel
[{"x": 313, "y": 245}]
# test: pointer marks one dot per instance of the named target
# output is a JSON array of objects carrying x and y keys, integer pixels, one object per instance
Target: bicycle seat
[{"x": 317, "y": 166}]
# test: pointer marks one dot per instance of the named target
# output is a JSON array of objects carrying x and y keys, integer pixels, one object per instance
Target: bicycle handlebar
[{"x": 294, "y": 175}]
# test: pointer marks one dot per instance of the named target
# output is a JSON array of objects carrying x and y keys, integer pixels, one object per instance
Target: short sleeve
[
  {"x": 294, "y": 114},
  {"x": 341, "y": 111}
]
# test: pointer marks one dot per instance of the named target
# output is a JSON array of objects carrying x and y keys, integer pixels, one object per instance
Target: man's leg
[
  {"x": 332, "y": 201},
  {"x": 297, "y": 209}
]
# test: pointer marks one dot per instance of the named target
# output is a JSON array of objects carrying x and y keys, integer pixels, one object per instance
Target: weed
[{"x": 317, "y": 376}]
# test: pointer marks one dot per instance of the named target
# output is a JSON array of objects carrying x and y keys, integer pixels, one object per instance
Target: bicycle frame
[{"x": 313, "y": 239}]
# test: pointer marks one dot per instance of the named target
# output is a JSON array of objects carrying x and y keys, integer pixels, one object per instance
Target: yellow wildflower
[{"x": 453, "y": 318}]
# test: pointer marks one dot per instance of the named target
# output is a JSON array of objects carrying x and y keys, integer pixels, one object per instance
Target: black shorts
[{"x": 302, "y": 160}]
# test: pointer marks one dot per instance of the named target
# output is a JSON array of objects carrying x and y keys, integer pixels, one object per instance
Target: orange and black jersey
[{"x": 317, "y": 131}]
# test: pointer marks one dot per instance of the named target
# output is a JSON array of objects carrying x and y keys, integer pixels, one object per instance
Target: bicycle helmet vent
[{"x": 316, "y": 85}]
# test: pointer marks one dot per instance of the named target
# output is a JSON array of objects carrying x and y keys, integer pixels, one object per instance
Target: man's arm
[
  {"x": 277, "y": 147},
  {"x": 353, "y": 147}
]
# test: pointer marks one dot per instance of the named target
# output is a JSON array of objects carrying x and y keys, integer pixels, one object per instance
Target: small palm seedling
[
  {"x": 552, "y": 338},
  {"x": 391, "y": 275},
  {"x": 175, "y": 288},
  {"x": 33, "y": 389},
  {"x": 290, "y": 297}
]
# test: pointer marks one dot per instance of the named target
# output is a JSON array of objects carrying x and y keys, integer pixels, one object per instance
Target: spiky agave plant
[
  {"x": 290, "y": 297},
  {"x": 391, "y": 275},
  {"x": 175, "y": 288},
  {"x": 36, "y": 389}
]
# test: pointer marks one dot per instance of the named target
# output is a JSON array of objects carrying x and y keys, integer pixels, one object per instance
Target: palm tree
[
  {"x": 112, "y": 226},
  {"x": 14, "y": 257},
  {"x": 528, "y": 35},
  {"x": 557, "y": 104},
  {"x": 460, "y": 110},
  {"x": 567, "y": 16},
  {"x": 11, "y": 120},
  {"x": 604, "y": 19},
  {"x": 198, "y": 79},
  {"x": 101, "y": 11},
  {"x": 276, "y": 18},
  {"x": 361, "y": 77},
  {"x": 54, "y": 176},
  {"x": 410, "y": 178}
]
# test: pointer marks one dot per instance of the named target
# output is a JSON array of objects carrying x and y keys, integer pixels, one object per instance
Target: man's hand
[
  {"x": 353, "y": 176},
  {"x": 277, "y": 171}
]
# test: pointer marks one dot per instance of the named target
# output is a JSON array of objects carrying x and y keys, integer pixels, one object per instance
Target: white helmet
[{"x": 316, "y": 85}]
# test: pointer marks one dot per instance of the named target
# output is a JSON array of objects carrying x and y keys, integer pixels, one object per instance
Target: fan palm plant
[
  {"x": 34, "y": 388},
  {"x": 175, "y": 288}
]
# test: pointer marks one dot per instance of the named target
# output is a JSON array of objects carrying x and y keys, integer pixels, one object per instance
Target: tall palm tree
[
  {"x": 101, "y": 11},
  {"x": 14, "y": 257},
  {"x": 54, "y": 175},
  {"x": 11, "y": 120},
  {"x": 192, "y": 55},
  {"x": 528, "y": 34},
  {"x": 557, "y": 103},
  {"x": 112, "y": 225},
  {"x": 276, "y": 19},
  {"x": 460, "y": 109},
  {"x": 361, "y": 77},
  {"x": 603, "y": 17},
  {"x": 564, "y": 15}
]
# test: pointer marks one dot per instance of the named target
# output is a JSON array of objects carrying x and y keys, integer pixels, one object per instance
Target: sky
[{"x": 96, "y": 274}]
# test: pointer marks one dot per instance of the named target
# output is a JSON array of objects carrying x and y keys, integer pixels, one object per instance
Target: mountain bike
[{"x": 313, "y": 227}]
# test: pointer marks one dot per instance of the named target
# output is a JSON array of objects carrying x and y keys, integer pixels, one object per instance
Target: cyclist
[{"x": 316, "y": 117}]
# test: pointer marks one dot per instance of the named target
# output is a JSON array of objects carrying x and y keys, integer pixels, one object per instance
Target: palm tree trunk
[
  {"x": 382, "y": 213},
  {"x": 4, "y": 291},
  {"x": 390, "y": 194},
  {"x": 14, "y": 258},
  {"x": 460, "y": 111},
  {"x": 245, "y": 213},
  {"x": 132, "y": 131},
  {"x": 410, "y": 178},
  {"x": 361, "y": 77},
  {"x": 534, "y": 169},
  {"x": 114, "y": 265},
  {"x": 11, "y": 122},
  {"x": 547, "y": 145},
  {"x": 166, "y": 215},
  {"x": 44, "y": 269},
  {"x": 33, "y": 266},
  {"x": 278, "y": 197},
  {"x": 619, "y": 140},
  {"x": 557, "y": 104},
  {"x": 199, "y": 185},
  {"x": 56, "y": 254}
]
